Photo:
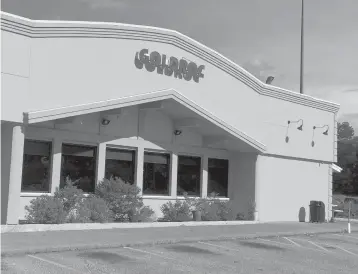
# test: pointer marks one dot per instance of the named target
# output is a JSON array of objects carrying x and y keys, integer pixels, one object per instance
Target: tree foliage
[
  {"x": 345, "y": 131},
  {"x": 346, "y": 182}
]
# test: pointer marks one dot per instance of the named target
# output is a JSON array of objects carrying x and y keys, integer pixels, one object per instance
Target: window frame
[
  {"x": 228, "y": 175},
  {"x": 163, "y": 152},
  {"x": 134, "y": 150},
  {"x": 83, "y": 144},
  {"x": 193, "y": 155},
  {"x": 52, "y": 147}
]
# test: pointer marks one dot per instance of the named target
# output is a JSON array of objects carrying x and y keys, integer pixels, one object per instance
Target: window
[
  {"x": 120, "y": 164},
  {"x": 79, "y": 165},
  {"x": 189, "y": 172},
  {"x": 156, "y": 174},
  {"x": 218, "y": 177},
  {"x": 36, "y": 169}
]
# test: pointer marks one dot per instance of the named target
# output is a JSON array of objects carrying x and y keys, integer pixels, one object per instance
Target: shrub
[
  {"x": 145, "y": 214},
  {"x": 209, "y": 211},
  {"x": 240, "y": 216},
  {"x": 91, "y": 210},
  {"x": 122, "y": 198},
  {"x": 46, "y": 210},
  {"x": 98, "y": 209},
  {"x": 70, "y": 195},
  {"x": 179, "y": 211},
  {"x": 211, "y": 208},
  {"x": 79, "y": 213},
  {"x": 251, "y": 210}
]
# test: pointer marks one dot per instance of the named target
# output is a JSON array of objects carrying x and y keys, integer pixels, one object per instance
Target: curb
[
  {"x": 87, "y": 247},
  {"x": 83, "y": 227},
  {"x": 346, "y": 220}
]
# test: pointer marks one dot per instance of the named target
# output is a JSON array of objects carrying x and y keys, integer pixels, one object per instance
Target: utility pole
[{"x": 302, "y": 47}]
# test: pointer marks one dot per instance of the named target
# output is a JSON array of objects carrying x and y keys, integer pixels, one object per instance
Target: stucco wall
[
  {"x": 287, "y": 185},
  {"x": 79, "y": 70},
  {"x": 242, "y": 188},
  {"x": 6, "y": 140}
]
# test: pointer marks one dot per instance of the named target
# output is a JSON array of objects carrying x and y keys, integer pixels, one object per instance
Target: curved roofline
[
  {"x": 64, "y": 112},
  {"x": 54, "y": 28}
]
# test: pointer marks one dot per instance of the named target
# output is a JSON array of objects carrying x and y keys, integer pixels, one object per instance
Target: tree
[
  {"x": 354, "y": 177},
  {"x": 347, "y": 158},
  {"x": 345, "y": 131}
]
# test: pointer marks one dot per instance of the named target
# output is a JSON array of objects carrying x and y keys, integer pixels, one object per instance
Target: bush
[
  {"x": 176, "y": 212},
  {"x": 80, "y": 213},
  {"x": 98, "y": 209},
  {"x": 46, "y": 210},
  {"x": 144, "y": 215},
  {"x": 70, "y": 195},
  {"x": 91, "y": 210},
  {"x": 211, "y": 208},
  {"x": 122, "y": 198},
  {"x": 240, "y": 216},
  {"x": 216, "y": 210}
]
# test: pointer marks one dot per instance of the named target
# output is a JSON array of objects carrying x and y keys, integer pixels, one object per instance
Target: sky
[{"x": 263, "y": 36}]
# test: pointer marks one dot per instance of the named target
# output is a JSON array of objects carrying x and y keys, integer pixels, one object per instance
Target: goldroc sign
[{"x": 181, "y": 69}]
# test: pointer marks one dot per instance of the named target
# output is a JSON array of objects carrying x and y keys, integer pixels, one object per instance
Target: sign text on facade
[{"x": 180, "y": 68}]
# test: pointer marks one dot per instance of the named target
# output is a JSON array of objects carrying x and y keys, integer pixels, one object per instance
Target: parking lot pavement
[{"x": 327, "y": 253}]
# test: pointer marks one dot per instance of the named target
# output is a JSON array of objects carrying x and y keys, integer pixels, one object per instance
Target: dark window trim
[
  {"x": 228, "y": 174},
  {"x": 134, "y": 150},
  {"x": 96, "y": 152},
  {"x": 162, "y": 152},
  {"x": 201, "y": 171},
  {"x": 51, "y": 156}
]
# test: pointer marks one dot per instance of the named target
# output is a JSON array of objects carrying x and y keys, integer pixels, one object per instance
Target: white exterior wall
[
  {"x": 242, "y": 176},
  {"x": 288, "y": 184},
  {"x": 6, "y": 140}
]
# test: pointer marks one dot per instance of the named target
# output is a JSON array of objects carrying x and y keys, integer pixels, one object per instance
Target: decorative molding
[
  {"x": 71, "y": 29},
  {"x": 64, "y": 112}
]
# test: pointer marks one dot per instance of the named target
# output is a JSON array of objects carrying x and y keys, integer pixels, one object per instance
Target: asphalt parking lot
[{"x": 325, "y": 253}]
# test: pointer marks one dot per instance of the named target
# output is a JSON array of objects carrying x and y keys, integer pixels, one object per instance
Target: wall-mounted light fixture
[
  {"x": 324, "y": 132},
  {"x": 289, "y": 122},
  {"x": 177, "y": 132},
  {"x": 269, "y": 80},
  {"x": 105, "y": 121},
  {"x": 300, "y": 122}
]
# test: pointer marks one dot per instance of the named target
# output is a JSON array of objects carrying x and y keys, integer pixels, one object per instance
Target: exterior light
[
  {"x": 324, "y": 133},
  {"x": 300, "y": 127},
  {"x": 269, "y": 80},
  {"x": 177, "y": 132},
  {"x": 105, "y": 122},
  {"x": 325, "y": 126}
]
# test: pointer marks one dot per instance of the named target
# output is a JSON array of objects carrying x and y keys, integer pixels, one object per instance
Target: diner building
[{"x": 91, "y": 100}]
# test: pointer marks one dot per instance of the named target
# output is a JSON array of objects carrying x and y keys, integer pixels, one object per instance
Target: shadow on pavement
[
  {"x": 189, "y": 249},
  {"x": 107, "y": 257},
  {"x": 261, "y": 246}
]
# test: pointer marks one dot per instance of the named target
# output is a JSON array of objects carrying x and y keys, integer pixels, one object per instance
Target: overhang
[{"x": 108, "y": 105}]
